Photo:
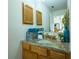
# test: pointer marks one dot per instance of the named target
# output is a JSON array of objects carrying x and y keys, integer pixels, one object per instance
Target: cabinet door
[
  {"x": 42, "y": 57},
  {"x": 56, "y": 55},
  {"x": 39, "y": 50},
  {"x": 29, "y": 55},
  {"x": 68, "y": 56}
]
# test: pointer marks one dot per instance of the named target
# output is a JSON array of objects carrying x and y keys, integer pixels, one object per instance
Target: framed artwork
[
  {"x": 27, "y": 14},
  {"x": 39, "y": 17}
]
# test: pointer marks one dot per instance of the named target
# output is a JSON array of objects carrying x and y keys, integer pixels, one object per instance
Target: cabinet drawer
[
  {"x": 56, "y": 55},
  {"x": 25, "y": 46},
  {"x": 39, "y": 50}
]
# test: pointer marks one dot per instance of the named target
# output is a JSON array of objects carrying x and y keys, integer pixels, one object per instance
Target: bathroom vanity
[{"x": 47, "y": 50}]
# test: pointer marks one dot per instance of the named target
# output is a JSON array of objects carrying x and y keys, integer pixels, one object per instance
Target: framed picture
[
  {"x": 39, "y": 17},
  {"x": 27, "y": 14}
]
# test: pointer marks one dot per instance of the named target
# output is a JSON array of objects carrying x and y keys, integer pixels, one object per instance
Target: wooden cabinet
[
  {"x": 25, "y": 46},
  {"x": 56, "y": 55},
  {"x": 26, "y": 53},
  {"x": 68, "y": 56},
  {"x": 29, "y": 55},
  {"x": 39, "y": 50},
  {"x": 30, "y": 51}
]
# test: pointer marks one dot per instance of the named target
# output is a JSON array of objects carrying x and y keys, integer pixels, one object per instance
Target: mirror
[{"x": 52, "y": 13}]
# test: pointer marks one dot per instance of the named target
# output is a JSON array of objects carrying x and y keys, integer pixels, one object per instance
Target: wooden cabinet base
[{"x": 38, "y": 52}]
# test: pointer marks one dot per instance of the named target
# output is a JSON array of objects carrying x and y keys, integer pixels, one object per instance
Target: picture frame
[
  {"x": 27, "y": 14},
  {"x": 39, "y": 17}
]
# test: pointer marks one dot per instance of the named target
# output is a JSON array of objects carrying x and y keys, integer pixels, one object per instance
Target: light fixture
[{"x": 52, "y": 6}]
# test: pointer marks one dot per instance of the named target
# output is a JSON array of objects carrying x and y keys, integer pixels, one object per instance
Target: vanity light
[{"x": 52, "y": 6}]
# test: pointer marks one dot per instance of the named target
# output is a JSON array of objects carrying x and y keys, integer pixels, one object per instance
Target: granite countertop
[{"x": 65, "y": 47}]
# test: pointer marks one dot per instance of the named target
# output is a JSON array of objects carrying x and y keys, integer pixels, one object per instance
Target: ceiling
[{"x": 58, "y": 4}]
